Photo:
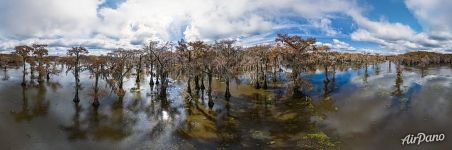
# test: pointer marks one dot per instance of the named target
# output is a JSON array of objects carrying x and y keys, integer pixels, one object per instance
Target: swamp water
[{"x": 371, "y": 108}]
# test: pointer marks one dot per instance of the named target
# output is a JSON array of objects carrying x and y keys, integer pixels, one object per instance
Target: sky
[{"x": 375, "y": 26}]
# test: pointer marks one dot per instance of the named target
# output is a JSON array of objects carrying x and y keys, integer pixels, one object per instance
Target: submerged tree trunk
[
  {"x": 366, "y": 74},
  {"x": 32, "y": 72},
  {"x": 389, "y": 67},
  {"x": 188, "y": 86},
  {"x": 151, "y": 79},
  {"x": 296, "y": 84},
  {"x": 209, "y": 78},
  {"x": 121, "y": 84},
  {"x": 265, "y": 77},
  {"x": 23, "y": 75},
  {"x": 163, "y": 86},
  {"x": 40, "y": 73},
  {"x": 334, "y": 73},
  {"x": 138, "y": 71},
  {"x": 275, "y": 69},
  {"x": 210, "y": 103},
  {"x": 197, "y": 83},
  {"x": 96, "y": 91},
  {"x": 77, "y": 83},
  {"x": 202, "y": 87},
  {"x": 47, "y": 73},
  {"x": 257, "y": 85},
  {"x": 227, "y": 94},
  {"x": 76, "y": 98},
  {"x": 157, "y": 78},
  {"x": 326, "y": 73}
]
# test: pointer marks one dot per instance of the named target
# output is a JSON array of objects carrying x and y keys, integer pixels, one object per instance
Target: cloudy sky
[{"x": 383, "y": 26}]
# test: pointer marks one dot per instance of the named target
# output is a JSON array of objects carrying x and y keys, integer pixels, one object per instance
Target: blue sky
[{"x": 383, "y": 26}]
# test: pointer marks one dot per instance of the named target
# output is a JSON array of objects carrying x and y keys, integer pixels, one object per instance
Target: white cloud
[
  {"x": 340, "y": 45},
  {"x": 136, "y": 21},
  {"x": 133, "y": 22},
  {"x": 434, "y": 15},
  {"x": 47, "y": 18},
  {"x": 400, "y": 37},
  {"x": 325, "y": 25}
]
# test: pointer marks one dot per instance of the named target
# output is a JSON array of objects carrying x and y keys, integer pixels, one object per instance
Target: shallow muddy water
[{"x": 371, "y": 108}]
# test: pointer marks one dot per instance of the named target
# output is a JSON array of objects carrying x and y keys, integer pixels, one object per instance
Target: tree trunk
[
  {"x": 257, "y": 85},
  {"x": 96, "y": 91},
  {"x": 275, "y": 70},
  {"x": 157, "y": 78},
  {"x": 209, "y": 77},
  {"x": 151, "y": 79},
  {"x": 326, "y": 74},
  {"x": 197, "y": 82},
  {"x": 23, "y": 75},
  {"x": 210, "y": 103},
  {"x": 296, "y": 84},
  {"x": 163, "y": 86},
  {"x": 138, "y": 71},
  {"x": 265, "y": 76},
  {"x": 389, "y": 66},
  {"x": 32, "y": 72},
  {"x": 188, "y": 86},
  {"x": 121, "y": 83},
  {"x": 40, "y": 73},
  {"x": 76, "y": 98},
  {"x": 77, "y": 82},
  {"x": 137, "y": 80},
  {"x": 334, "y": 73},
  {"x": 202, "y": 82},
  {"x": 227, "y": 94}
]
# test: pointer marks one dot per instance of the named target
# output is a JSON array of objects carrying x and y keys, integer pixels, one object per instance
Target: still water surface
[{"x": 371, "y": 108}]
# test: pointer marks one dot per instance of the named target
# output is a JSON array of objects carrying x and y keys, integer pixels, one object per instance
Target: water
[{"x": 358, "y": 109}]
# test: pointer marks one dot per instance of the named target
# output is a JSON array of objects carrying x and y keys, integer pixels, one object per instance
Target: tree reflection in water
[
  {"x": 250, "y": 118},
  {"x": 366, "y": 75},
  {"x": 39, "y": 107},
  {"x": 113, "y": 126},
  {"x": 5, "y": 74},
  {"x": 263, "y": 121},
  {"x": 398, "y": 93},
  {"x": 75, "y": 131},
  {"x": 42, "y": 104},
  {"x": 24, "y": 113}
]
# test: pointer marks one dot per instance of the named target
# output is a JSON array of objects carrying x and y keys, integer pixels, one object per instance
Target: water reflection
[
  {"x": 366, "y": 74},
  {"x": 115, "y": 125},
  {"x": 371, "y": 104},
  {"x": 39, "y": 108},
  {"x": 24, "y": 113},
  {"x": 75, "y": 131},
  {"x": 5, "y": 74},
  {"x": 398, "y": 92},
  {"x": 42, "y": 104}
]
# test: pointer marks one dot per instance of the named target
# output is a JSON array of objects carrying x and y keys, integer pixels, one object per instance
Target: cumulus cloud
[
  {"x": 23, "y": 19},
  {"x": 211, "y": 20},
  {"x": 433, "y": 15},
  {"x": 342, "y": 46},
  {"x": 337, "y": 44},
  {"x": 133, "y": 22},
  {"x": 325, "y": 25}
]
